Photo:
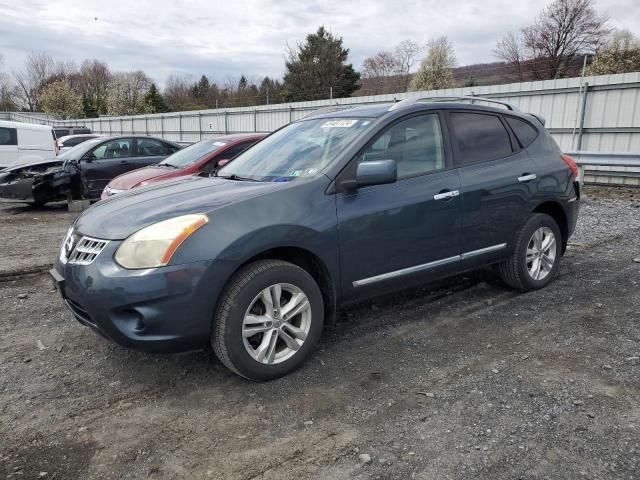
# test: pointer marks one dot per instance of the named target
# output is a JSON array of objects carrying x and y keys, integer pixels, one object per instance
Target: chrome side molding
[{"x": 427, "y": 266}]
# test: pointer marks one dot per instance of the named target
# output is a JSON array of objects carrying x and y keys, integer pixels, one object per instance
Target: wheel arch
[
  {"x": 313, "y": 265},
  {"x": 556, "y": 211}
]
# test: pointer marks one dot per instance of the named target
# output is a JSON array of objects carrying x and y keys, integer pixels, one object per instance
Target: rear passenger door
[
  {"x": 148, "y": 151},
  {"x": 498, "y": 181}
]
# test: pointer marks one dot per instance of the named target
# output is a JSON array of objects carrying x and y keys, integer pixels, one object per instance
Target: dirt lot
[{"x": 464, "y": 379}]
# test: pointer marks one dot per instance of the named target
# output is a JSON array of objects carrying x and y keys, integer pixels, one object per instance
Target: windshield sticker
[
  {"x": 339, "y": 124},
  {"x": 309, "y": 172},
  {"x": 219, "y": 144},
  {"x": 295, "y": 173}
]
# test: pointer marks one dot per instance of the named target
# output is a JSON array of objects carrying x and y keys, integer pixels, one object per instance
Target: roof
[{"x": 23, "y": 126}]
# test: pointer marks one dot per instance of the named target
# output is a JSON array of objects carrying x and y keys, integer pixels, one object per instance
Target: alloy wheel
[
  {"x": 541, "y": 253},
  {"x": 276, "y": 324}
]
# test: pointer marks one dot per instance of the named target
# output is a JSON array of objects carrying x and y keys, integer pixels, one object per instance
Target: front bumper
[{"x": 168, "y": 309}]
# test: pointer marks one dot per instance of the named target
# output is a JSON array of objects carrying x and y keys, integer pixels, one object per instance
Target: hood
[
  {"x": 121, "y": 215},
  {"x": 40, "y": 163},
  {"x": 131, "y": 179}
]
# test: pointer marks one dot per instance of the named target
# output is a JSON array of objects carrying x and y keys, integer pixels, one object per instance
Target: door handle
[
  {"x": 123, "y": 162},
  {"x": 446, "y": 195},
  {"x": 527, "y": 177}
]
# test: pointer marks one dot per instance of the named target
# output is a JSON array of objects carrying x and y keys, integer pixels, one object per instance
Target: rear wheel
[
  {"x": 536, "y": 257},
  {"x": 268, "y": 321}
]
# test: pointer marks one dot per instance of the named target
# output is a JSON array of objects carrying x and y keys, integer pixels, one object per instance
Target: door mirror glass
[
  {"x": 376, "y": 172},
  {"x": 90, "y": 157}
]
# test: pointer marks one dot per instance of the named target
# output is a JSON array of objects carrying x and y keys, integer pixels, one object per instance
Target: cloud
[{"x": 226, "y": 39}]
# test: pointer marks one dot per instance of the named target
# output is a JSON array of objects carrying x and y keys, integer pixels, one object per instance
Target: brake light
[{"x": 571, "y": 163}]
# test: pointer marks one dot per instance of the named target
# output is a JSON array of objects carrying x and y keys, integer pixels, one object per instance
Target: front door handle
[
  {"x": 446, "y": 195},
  {"x": 527, "y": 177},
  {"x": 123, "y": 162}
]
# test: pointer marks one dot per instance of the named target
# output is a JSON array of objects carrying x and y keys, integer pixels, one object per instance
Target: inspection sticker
[{"x": 339, "y": 124}]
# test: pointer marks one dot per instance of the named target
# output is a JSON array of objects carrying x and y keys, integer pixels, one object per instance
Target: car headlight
[{"x": 153, "y": 246}]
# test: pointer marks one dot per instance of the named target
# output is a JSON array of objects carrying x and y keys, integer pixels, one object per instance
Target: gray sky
[{"x": 226, "y": 39}]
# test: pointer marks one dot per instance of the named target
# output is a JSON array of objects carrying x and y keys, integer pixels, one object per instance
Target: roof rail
[
  {"x": 417, "y": 99},
  {"x": 332, "y": 108}
]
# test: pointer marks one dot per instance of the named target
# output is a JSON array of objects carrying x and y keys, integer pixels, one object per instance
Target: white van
[{"x": 25, "y": 143}]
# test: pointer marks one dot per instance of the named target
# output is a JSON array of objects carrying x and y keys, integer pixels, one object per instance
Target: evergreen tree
[
  {"x": 201, "y": 89},
  {"x": 318, "y": 68},
  {"x": 154, "y": 101}
]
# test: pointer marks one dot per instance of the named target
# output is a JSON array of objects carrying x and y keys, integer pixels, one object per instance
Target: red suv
[{"x": 201, "y": 157}]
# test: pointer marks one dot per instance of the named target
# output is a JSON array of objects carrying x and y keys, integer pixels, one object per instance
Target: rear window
[
  {"x": 78, "y": 131},
  {"x": 525, "y": 132},
  {"x": 61, "y": 132},
  {"x": 8, "y": 136},
  {"x": 479, "y": 137}
]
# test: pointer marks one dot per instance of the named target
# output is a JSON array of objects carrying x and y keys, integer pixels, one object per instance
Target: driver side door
[{"x": 103, "y": 163}]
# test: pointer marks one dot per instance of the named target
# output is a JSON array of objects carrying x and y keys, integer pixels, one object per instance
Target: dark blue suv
[{"x": 337, "y": 207}]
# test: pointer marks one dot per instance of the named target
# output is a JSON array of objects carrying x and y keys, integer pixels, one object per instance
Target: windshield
[
  {"x": 300, "y": 149},
  {"x": 77, "y": 152},
  {"x": 191, "y": 154}
]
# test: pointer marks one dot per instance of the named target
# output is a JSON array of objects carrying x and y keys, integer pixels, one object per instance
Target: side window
[
  {"x": 415, "y": 144},
  {"x": 170, "y": 149},
  {"x": 72, "y": 142},
  {"x": 479, "y": 137},
  {"x": 61, "y": 132},
  {"x": 8, "y": 136},
  {"x": 150, "y": 147},
  {"x": 113, "y": 149},
  {"x": 525, "y": 132}
]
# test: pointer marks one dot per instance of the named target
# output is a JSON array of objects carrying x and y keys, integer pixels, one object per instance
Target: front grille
[{"x": 86, "y": 251}]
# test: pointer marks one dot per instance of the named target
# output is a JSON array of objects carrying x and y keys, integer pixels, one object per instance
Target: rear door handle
[
  {"x": 445, "y": 195},
  {"x": 527, "y": 178}
]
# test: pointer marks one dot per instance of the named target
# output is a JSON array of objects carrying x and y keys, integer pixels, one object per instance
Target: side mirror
[
  {"x": 222, "y": 162},
  {"x": 89, "y": 157},
  {"x": 376, "y": 172}
]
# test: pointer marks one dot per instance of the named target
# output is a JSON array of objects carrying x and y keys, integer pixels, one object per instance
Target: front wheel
[
  {"x": 536, "y": 257},
  {"x": 268, "y": 321}
]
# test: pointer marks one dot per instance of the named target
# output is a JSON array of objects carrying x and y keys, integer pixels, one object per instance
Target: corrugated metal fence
[{"x": 596, "y": 114}]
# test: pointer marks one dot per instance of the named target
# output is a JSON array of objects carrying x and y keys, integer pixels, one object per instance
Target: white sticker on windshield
[
  {"x": 339, "y": 124},
  {"x": 219, "y": 144}
]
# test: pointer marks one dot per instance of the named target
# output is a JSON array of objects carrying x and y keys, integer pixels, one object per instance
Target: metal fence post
[
  {"x": 110, "y": 128},
  {"x": 121, "y": 127},
  {"x": 162, "y": 126},
  {"x": 200, "y": 125},
  {"x": 582, "y": 114},
  {"x": 146, "y": 125},
  {"x": 225, "y": 123},
  {"x": 255, "y": 120},
  {"x": 290, "y": 114},
  {"x": 180, "y": 125}
]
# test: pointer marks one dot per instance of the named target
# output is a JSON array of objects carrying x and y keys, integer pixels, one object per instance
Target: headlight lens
[{"x": 153, "y": 246}]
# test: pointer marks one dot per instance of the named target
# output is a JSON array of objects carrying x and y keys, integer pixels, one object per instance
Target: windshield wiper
[
  {"x": 233, "y": 176},
  {"x": 166, "y": 165}
]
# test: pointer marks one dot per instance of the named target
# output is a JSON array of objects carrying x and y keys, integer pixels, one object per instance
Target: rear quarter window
[
  {"x": 479, "y": 137},
  {"x": 525, "y": 132},
  {"x": 8, "y": 136}
]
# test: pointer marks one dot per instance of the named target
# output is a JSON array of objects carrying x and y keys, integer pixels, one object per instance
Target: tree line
[{"x": 552, "y": 46}]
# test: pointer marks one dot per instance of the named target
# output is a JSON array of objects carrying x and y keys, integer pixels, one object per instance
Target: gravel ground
[{"x": 462, "y": 379}]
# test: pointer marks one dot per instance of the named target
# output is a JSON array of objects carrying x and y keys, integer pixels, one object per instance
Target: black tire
[
  {"x": 237, "y": 297},
  {"x": 514, "y": 271}
]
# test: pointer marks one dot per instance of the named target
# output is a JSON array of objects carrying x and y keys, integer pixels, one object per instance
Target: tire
[
  {"x": 244, "y": 307},
  {"x": 519, "y": 270}
]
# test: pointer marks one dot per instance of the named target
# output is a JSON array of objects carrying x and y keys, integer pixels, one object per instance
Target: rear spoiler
[{"x": 539, "y": 118}]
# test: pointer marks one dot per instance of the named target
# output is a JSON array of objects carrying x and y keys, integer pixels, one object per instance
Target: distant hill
[{"x": 495, "y": 73}]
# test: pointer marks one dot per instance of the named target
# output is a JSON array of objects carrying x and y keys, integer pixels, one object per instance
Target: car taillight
[
  {"x": 571, "y": 163},
  {"x": 56, "y": 147}
]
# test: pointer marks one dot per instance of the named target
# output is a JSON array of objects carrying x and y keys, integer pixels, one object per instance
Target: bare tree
[
  {"x": 406, "y": 54},
  {"x": 38, "y": 68},
  {"x": 436, "y": 70},
  {"x": 381, "y": 64},
  {"x": 94, "y": 78},
  {"x": 178, "y": 91},
  {"x": 564, "y": 30},
  {"x": 126, "y": 93},
  {"x": 510, "y": 49},
  {"x": 6, "y": 91}
]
